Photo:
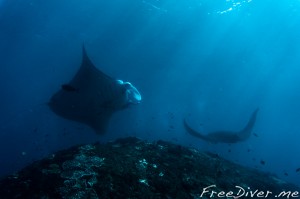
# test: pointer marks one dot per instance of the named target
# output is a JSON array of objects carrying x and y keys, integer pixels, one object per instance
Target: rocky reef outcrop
[{"x": 132, "y": 168}]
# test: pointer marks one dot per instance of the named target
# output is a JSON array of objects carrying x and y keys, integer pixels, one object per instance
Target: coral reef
[{"x": 132, "y": 168}]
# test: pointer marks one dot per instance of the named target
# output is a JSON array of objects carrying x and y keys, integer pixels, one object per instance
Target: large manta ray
[
  {"x": 91, "y": 97},
  {"x": 225, "y": 136}
]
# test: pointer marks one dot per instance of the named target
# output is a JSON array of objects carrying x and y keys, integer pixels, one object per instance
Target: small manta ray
[
  {"x": 91, "y": 97},
  {"x": 225, "y": 136}
]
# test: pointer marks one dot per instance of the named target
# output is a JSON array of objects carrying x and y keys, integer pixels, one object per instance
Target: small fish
[
  {"x": 262, "y": 162},
  {"x": 286, "y": 174},
  {"x": 297, "y": 170},
  {"x": 171, "y": 115},
  {"x": 67, "y": 87},
  {"x": 255, "y": 134}
]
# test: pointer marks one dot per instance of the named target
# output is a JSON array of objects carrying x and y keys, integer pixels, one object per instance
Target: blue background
[{"x": 213, "y": 61}]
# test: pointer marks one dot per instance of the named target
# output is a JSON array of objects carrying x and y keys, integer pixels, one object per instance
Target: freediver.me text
[{"x": 239, "y": 192}]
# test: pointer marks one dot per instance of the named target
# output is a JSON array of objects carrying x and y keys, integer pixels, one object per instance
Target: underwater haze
[{"x": 212, "y": 62}]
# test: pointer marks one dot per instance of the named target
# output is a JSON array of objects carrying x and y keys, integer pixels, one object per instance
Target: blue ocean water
[{"x": 213, "y": 61}]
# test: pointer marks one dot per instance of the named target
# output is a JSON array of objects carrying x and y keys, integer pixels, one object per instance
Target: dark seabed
[
  {"x": 208, "y": 62},
  {"x": 131, "y": 168}
]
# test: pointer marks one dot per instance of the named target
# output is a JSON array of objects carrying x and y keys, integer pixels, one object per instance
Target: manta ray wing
[
  {"x": 225, "y": 136},
  {"x": 89, "y": 98}
]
